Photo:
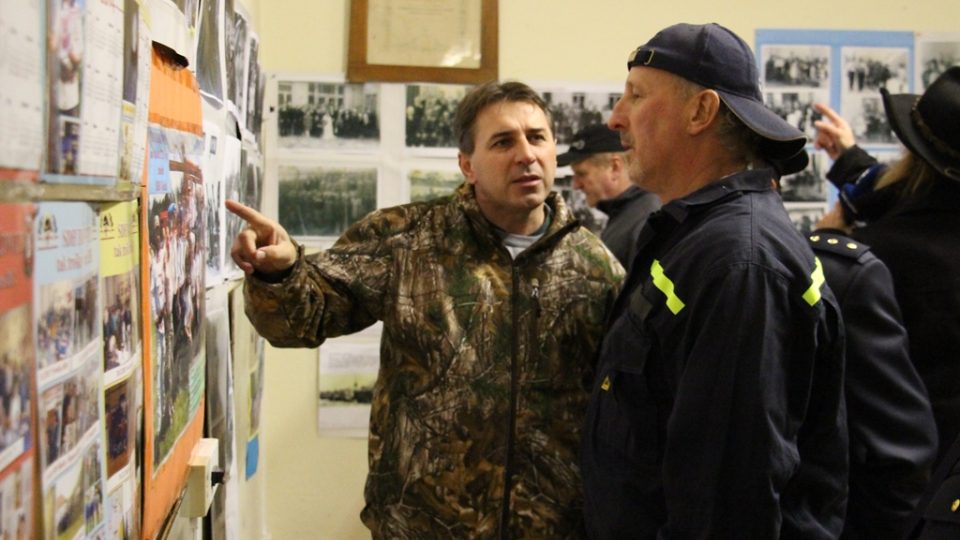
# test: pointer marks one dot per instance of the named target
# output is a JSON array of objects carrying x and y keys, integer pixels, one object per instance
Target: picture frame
[{"x": 387, "y": 41}]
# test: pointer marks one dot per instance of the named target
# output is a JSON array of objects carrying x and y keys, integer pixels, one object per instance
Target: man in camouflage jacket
[{"x": 476, "y": 413}]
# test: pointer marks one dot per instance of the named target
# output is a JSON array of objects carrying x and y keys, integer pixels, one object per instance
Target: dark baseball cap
[
  {"x": 595, "y": 139},
  {"x": 716, "y": 58}
]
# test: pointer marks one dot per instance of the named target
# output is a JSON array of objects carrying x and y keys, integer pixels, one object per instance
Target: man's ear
[
  {"x": 703, "y": 109},
  {"x": 616, "y": 163},
  {"x": 466, "y": 167}
]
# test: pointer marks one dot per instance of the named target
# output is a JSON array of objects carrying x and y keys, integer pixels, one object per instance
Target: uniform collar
[{"x": 755, "y": 180}]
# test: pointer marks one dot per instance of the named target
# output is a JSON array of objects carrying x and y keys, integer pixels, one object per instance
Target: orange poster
[{"x": 173, "y": 270}]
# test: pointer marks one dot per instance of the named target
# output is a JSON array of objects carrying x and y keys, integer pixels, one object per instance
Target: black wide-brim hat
[
  {"x": 716, "y": 58},
  {"x": 929, "y": 124}
]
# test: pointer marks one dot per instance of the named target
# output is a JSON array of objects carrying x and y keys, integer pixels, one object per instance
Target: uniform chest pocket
[
  {"x": 623, "y": 413},
  {"x": 624, "y": 420}
]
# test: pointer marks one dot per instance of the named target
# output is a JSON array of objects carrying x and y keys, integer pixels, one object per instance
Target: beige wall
[{"x": 315, "y": 485}]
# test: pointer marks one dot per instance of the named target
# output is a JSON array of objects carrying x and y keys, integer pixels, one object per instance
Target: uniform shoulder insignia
[{"x": 838, "y": 244}]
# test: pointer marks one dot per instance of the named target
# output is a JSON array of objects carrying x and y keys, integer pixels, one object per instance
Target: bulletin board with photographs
[{"x": 844, "y": 70}]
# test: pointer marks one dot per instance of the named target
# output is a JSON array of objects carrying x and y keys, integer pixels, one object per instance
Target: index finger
[
  {"x": 828, "y": 112},
  {"x": 246, "y": 213}
]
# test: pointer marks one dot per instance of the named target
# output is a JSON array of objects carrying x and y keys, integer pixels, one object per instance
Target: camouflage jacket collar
[{"x": 563, "y": 219}]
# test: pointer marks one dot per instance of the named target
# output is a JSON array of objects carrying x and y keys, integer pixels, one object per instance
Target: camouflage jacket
[{"x": 478, "y": 406}]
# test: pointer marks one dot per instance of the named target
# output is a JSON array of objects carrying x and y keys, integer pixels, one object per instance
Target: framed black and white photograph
[
  {"x": 808, "y": 185},
  {"x": 331, "y": 115},
  {"x": 426, "y": 183},
  {"x": 805, "y": 216},
  {"x": 320, "y": 202},
  {"x": 210, "y": 50},
  {"x": 796, "y": 65},
  {"x": 796, "y": 107},
  {"x": 864, "y": 71},
  {"x": 428, "y": 115},
  {"x": 573, "y": 110},
  {"x": 935, "y": 53},
  {"x": 868, "y": 120},
  {"x": 868, "y": 69},
  {"x": 235, "y": 55}
]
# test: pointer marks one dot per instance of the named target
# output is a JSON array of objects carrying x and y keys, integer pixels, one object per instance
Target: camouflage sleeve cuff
[{"x": 280, "y": 277}]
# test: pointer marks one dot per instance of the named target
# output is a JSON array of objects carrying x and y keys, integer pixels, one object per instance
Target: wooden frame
[{"x": 360, "y": 70}]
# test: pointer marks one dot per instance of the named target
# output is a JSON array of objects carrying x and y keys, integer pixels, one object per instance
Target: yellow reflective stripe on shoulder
[
  {"x": 662, "y": 282},
  {"x": 812, "y": 295}
]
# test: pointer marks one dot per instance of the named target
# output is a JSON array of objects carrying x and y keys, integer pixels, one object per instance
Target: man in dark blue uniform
[
  {"x": 893, "y": 438},
  {"x": 718, "y": 406}
]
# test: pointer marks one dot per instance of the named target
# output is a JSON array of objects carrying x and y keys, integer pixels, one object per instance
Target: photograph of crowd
[
  {"x": 16, "y": 514},
  {"x": 864, "y": 71},
  {"x": 796, "y": 65},
  {"x": 429, "y": 114},
  {"x": 65, "y": 76},
  {"x": 177, "y": 283},
  {"x": 232, "y": 187},
  {"x": 131, "y": 42},
  {"x": 121, "y": 333},
  {"x": 67, "y": 410},
  {"x": 796, "y": 107},
  {"x": 431, "y": 184},
  {"x": 235, "y": 41},
  {"x": 66, "y": 321},
  {"x": 16, "y": 371},
  {"x": 868, "y": 120},
  {"x": 323, "y": 201},
  {"x": 868, "y": 69},
  {"x": 316, "y": 114},
  {"x": 808, "y": 185},
  {"x": 120, "y": 424},
  {"x": 251, "y": 105},
  {"x": 210, "y": 60},
  {"x": 214, "y": 214},
  {"x": 574, "y": 110},
  {"x": 933, "y": 58},
  {"x": 805, "y": 217},
  {"x": 65, "y": 496},
  {"x": 92, "y": 489}
]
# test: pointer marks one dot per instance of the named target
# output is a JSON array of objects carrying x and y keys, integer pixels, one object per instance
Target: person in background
[
  {"x": 493, "y": 301},
  {"x": 893, "y": 438},
  {"x": 718, "y": 407},
  {"x": 909, "y": 213},
  {"x": 600, "y": 172}
]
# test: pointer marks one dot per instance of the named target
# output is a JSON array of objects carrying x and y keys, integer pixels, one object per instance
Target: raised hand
[
  {"x": 834, "y": 133},
  {"x": 263, "y": 246}
]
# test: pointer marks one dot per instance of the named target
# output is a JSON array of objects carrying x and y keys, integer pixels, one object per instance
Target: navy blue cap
[
  {"x": 716, "y": 58},
  {"x": 595, "y": 139}
]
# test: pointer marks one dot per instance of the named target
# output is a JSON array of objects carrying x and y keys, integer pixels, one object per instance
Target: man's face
[
  {"x": 650, "y": 118},
  {"x": 514, "y": 160},
  {"x": 591, "y": 176}
]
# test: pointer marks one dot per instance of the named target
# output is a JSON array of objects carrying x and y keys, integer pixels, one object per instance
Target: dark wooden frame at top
[{"x": 358, "y": 70}]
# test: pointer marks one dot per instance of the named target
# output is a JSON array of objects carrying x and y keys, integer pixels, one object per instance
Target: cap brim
[
  {"x": 569, "y": 158},
  {"x": 792, "y": 164},
  {"x": 898, "y": 108},
  {"x": 781, "y": 140}
]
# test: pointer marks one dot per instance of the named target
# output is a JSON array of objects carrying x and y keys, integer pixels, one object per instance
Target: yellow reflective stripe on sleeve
[
  {"x": 812, "y": 295},
  {"x": 662, "y": 282}
]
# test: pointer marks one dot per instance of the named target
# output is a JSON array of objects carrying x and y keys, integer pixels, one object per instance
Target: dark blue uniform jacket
[
  {"x": 717, "y": 409},
  {"x": 893, "y": 438}
]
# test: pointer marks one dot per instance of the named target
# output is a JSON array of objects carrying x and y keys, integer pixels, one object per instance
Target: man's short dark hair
[{"x": 486, "y": 94}]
